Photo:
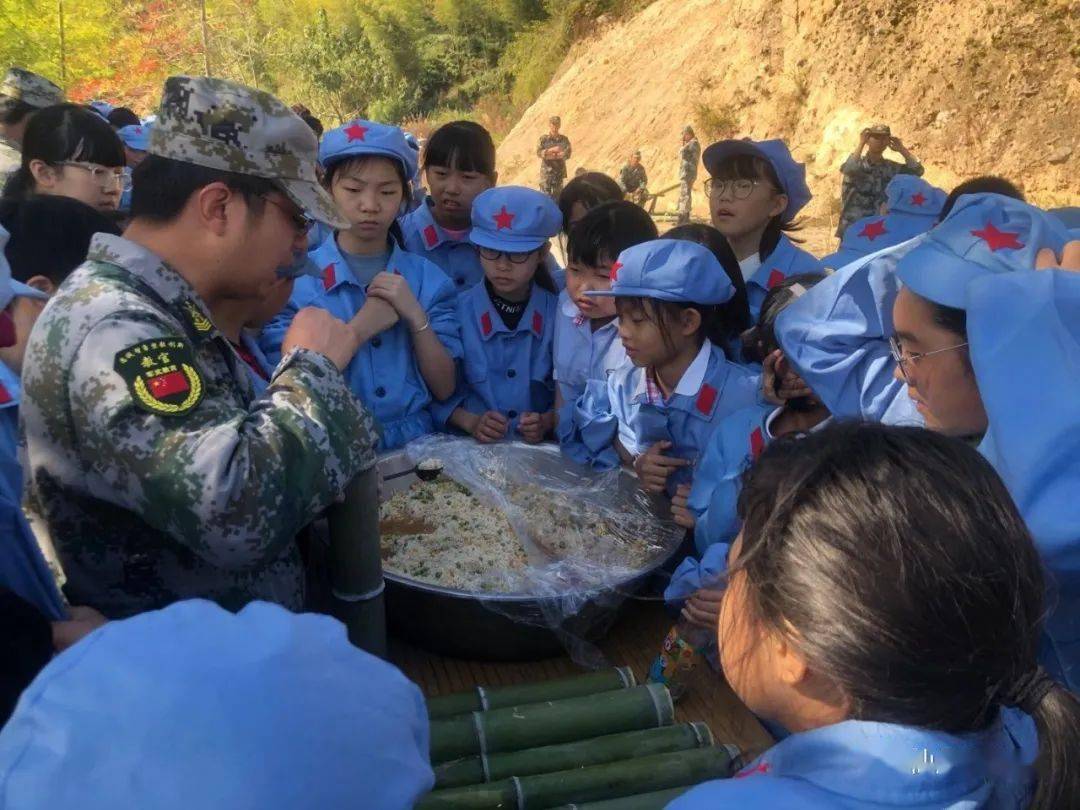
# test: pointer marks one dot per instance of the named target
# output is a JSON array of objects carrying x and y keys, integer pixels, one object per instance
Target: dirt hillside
[{"x": 971, "y": 86}]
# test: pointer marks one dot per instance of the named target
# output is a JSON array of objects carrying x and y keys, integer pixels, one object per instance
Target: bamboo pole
[
  {"x": 63, "y": 43},
  {"x": 516, "y": 728},
  {"x": 483, "y": 698},
  {"x": 205, "y": 38},
  {"x": 356, "y": 565},
  {"x": 629, "y": 777},
  {"x": 549, "y": 758}
]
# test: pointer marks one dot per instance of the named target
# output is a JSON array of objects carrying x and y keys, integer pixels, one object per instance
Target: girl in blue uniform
[
  {"x": 410, "y": 336},
  {"x": 587, "y": 345},
  {"x": 896, "y": 636},
  {"x": 458, "y": 164},
  {"x": 508, "y": 320},
  {"x": 989, "y": 350},
  {"x": 665, "y": 404},
  {"x": 709, "y": 506},
  {"x": 755, "y": 191}
]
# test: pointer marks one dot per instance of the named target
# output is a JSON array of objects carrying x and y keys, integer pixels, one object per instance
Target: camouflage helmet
[
  {"x": 223, "y": 125},
  {"x": 31, "y": 89}
]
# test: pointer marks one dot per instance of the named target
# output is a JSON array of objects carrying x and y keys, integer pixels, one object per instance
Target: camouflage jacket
[
  {"x": 863, "y": 188},
  {"x": 633, "y": 178},
  {"x": 554, "y": 167},
  {"x": 154, "y": 468},
  {"x": 689, "y": 158},
  {"x": 10, "y": 159}
]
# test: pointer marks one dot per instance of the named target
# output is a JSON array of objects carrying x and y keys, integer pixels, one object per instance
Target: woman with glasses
[
  {"x": 755, "y": 190},
  {"x": 508, "y": 320},
  {"x": 70, "y": 151},
  {"x": 402, "y": 303}
]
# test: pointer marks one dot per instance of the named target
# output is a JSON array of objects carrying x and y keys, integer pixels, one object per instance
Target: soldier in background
[
  {"x": 21, "y": 95},
  {"x": 865, "y": 178},
  {"x": 689, "y": 158},
  {"x": 156, "y": 471},
  {"x": 633, "y": 180},
  {"x": 553, "y": 151}
]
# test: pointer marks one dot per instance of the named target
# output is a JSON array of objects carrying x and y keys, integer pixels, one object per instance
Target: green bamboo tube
[
  {"x": 656, "y": 800},
  {"x": 609, "y": 748},
  {"x": 516, "y": 728},
  {"x": 355, "y": 563},
  {"x": 484, "y": 698},
  {"x": 627, "y": 778}
]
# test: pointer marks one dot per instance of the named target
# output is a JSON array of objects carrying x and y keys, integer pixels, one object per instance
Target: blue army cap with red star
[
  {"x": 984, "y": 233},
  {"x": 908, "y": 194},
  {"x": 360, "y": 137},
  {"x": 669, "y": 270},
  {"x": 136, "y": 136},
  {"x": 513, "y": 219}
]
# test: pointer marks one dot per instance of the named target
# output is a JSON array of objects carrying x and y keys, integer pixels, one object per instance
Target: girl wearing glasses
[
  {"x": 409, "y": 331},
  {"x": 755, "y": 190},
  {"x": 70, "y": 151},
  {"x": 508, "y": 320}
]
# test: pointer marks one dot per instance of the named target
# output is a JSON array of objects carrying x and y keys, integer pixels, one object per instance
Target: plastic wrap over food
[{"x": 513, "y": 519}]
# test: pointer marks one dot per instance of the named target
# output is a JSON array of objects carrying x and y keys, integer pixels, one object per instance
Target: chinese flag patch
[{"x": 168, "y": 384}]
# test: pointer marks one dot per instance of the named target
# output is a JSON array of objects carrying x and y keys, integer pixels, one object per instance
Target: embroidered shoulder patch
[
  {"x": 161, "y": 376},
  {"x": 199, "y": 322}
]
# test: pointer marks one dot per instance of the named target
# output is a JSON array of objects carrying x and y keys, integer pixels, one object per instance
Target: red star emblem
[
  {"x": 615, "y": 268},
  {"x": 996, "y": 240},
  {"x": 504, "y": 219},
  {"x": 918, "y": 199},
  {"x": 355, "y": 132},
  {"x": 872, "y": 230}
]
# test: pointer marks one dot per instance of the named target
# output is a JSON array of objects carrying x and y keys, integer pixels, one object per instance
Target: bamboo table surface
[{"x": 634, "y": 642}]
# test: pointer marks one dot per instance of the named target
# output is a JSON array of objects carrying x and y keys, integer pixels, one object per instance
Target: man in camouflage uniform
[
  {"x": 21, "y": 95},
  {"x": 865, "y": 178},
  {"x": 553, "y": 151},
  {"x": 633, "y": 180},
  {"x": 689, "y": 158},
  {"x": 157, "y": 472}
]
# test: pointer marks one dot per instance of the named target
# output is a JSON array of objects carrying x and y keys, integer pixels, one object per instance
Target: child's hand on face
[
  {"x": 703, "y": 608},
  {"x": 653, "y": 467},
  {"x": 490, "y": 428},
  {"x": 395, "y": 290},
  {"x": 791, "y": 386},
  {"x": 680, "y": 510},
  {"x": 533, "y": 427}
]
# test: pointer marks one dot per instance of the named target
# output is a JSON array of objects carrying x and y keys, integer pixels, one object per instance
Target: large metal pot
[{"x": 490, "y": 626}]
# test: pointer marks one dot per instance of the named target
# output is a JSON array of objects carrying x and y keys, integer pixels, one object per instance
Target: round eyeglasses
[
  {"x": 740, "y": 189},
  {"x": 902, "y": 358},
  {"x": 495, "y": 255},
  {"x": 107, "y": 178}
]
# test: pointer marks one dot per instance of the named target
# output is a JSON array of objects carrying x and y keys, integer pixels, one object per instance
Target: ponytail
[
  {"x": 19, "y": 185},
  {"x": 1057, "y": 718}
]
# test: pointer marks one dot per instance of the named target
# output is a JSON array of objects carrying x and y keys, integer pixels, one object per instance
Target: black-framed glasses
[
  {"x": 740, "y": 189},
  {"x": 107, "y": 178},
  {"x": 902, "y": 358},
  {"x": 301, "y": 221},
  {"x": 495, "y": 255}
]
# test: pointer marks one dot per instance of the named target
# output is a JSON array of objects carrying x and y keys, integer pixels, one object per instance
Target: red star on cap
[
  {"x": 996, "y": 240},
  {"x": 918, "y": 199},
  {"x": 615, "y": 268},
  {"x": 872, "y": 230},
  {"x": 355, "y": 132},
  {"x": 504, "y": 219}
]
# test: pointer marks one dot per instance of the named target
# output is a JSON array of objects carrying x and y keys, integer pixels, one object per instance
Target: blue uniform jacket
[
  {"x": 10, "y": 393},
  {"x": 457, "y": 259},
  {"x": 861, "y": 764},
  {"x": 712, "y": 389},
  {"x": 837, "y": 337},
  {"x": 384, "y": 374},
  {"x": 785, "y": 260},
  {"x": 506, "y": 370},
  {"x": 1024, "y": 336}
]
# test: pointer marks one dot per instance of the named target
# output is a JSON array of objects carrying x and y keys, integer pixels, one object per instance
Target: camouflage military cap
[
  {"x": 226, "y": 126},
  {"x": 29, "y": 88},
  {"x": 879, "y": 129}
]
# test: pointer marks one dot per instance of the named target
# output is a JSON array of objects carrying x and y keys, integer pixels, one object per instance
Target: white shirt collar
[
  {"x": 750, "y": 265},
  {"x": 691, "y": 381}
]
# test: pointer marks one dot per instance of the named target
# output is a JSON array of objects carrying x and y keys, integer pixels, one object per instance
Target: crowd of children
[{"x": 875, "y": 452}]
